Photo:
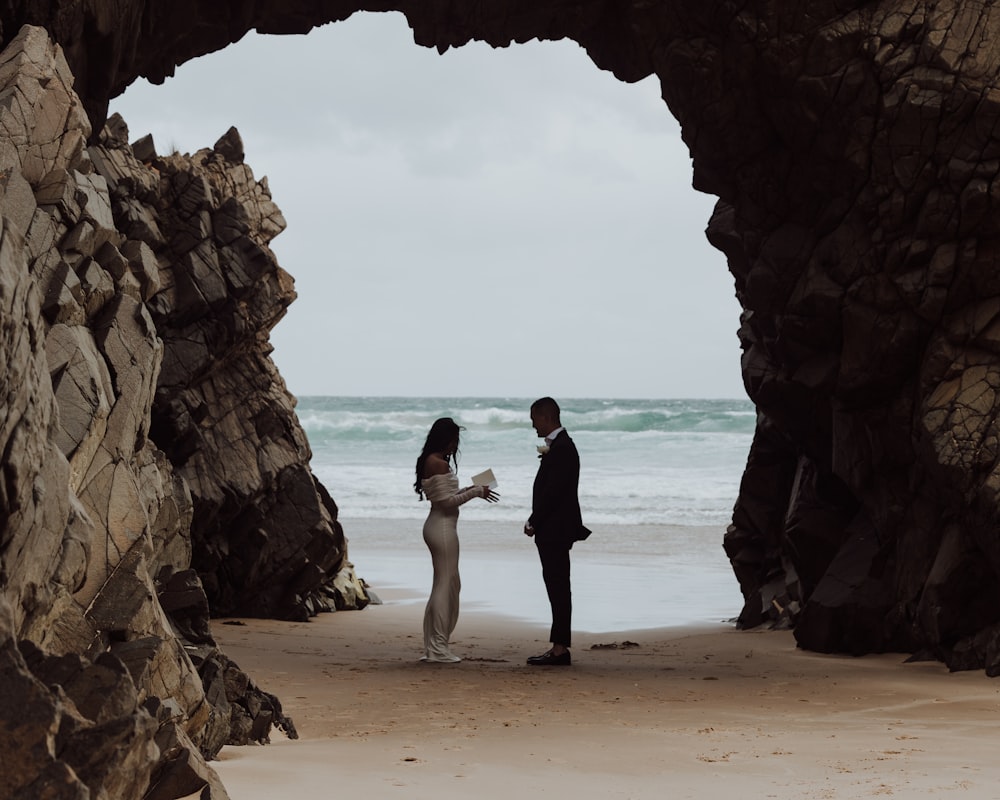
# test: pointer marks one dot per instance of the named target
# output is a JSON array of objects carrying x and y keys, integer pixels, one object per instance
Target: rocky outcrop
[
  {"x": 136, "y": 293},
  {"x": 851, "y": 147},
  {"x": 65, "y": 733},
  {"x": 864, "y": 248},
  {"x": 264, "y": 533}
]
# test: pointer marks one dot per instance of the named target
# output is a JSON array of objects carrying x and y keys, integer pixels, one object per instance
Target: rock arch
[{"x": 852, "y": 149}]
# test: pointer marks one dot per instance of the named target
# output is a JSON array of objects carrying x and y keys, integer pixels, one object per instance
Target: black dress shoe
[{"x": 549, "y": 659}]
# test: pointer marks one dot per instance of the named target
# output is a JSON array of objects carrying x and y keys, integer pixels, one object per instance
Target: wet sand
[{"x": 690, "y": 712}]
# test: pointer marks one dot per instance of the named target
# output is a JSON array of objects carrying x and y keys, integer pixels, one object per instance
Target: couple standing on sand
[{"x": 555, "y": 523}]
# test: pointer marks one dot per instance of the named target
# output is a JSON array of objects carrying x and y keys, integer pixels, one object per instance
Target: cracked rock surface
[{"x": 150, "y": 450}]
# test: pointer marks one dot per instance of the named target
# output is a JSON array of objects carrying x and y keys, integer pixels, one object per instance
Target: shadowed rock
[
  {"x": 852, "y": 149},
  {"x": 131, "y": 297}
]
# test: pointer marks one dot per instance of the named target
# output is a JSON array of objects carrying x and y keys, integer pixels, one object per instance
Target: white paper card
[{"x": 485, "y": 478}]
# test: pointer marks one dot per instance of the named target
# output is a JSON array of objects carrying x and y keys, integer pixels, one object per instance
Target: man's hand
[{"x": 528, "y": 530}]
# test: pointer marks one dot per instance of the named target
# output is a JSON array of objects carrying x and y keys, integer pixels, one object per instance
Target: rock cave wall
[
  {"x": 154, "y": 473},
  {"x": 852, "y": 149}
]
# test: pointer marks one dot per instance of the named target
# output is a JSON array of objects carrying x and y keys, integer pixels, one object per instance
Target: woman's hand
[{"x": 489, "y": 495}]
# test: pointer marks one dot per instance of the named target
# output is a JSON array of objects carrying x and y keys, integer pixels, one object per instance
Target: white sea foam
[{"x": 674, "y": 462}]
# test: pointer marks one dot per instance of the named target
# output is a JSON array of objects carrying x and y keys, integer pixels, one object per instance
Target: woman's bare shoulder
[{"x": 435, "y": 465}]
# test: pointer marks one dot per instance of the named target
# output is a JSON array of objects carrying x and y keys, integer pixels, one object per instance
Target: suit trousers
[{"x": 555, "y": 573}]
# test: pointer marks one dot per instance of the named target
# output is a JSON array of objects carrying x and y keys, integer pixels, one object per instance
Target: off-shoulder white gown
[{"x": 441, "y": 536}]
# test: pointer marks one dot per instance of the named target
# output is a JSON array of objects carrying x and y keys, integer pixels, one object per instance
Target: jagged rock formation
[
  {"x": 852, "y": 148},
  {"x": 265, "y": 534},
  {"x": 153, "y": 469}
]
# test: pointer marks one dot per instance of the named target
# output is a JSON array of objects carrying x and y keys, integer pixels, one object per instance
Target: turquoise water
[{"x": 673, "y": 462}]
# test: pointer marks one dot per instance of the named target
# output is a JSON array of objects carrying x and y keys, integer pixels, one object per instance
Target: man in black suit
[{"x": 555, "y": 523}]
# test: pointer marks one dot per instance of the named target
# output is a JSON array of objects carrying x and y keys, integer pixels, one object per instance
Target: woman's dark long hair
[{"x": 443, "y": 432}]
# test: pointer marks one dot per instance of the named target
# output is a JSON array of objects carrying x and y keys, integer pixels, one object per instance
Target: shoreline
[
  {"x": 624, "y": 576},
  {"x": 699, "y": 711}
]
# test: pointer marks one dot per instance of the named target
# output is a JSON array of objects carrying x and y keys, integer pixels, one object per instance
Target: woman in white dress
[{"x": 437, "y": 481}]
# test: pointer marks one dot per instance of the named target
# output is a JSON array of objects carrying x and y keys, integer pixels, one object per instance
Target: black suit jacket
[{"x": 555, "y": 503}]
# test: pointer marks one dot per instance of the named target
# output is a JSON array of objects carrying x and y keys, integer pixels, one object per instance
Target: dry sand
[{"x": 687, "y": 713}]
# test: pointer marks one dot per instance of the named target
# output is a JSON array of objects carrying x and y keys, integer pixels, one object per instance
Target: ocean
[{"x": 658, "y": 481}]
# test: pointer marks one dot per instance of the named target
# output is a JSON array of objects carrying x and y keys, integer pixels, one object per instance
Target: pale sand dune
[{"x": 689, "y": 713}]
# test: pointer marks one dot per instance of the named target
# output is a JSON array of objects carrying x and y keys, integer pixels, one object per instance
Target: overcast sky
[{"x": 510, "y": 222}]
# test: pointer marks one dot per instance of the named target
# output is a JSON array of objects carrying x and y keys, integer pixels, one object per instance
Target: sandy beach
[{"x": 691, "y": 712}]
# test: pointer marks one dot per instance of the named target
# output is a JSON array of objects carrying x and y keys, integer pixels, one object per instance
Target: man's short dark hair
[{"x": 547, "y": 406}]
